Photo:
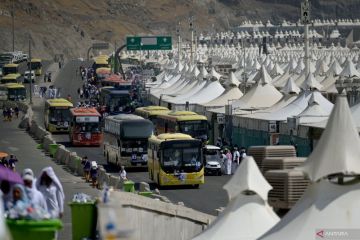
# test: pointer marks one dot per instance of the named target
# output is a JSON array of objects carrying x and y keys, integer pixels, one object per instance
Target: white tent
[
  {"x": 327, "y": 206},
  {"x": 290, "y": 87},
  {"x": 323, "y": 206},
  {"x": 259, "y": 96},
  {"x": 338, "y": 149},
  {"x": 311, "y": 83},
  {"x": 211, "y": 90},
  {"x": 248, "y": 215}
]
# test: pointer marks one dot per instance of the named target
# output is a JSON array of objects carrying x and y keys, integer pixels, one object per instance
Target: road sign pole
[
  {"x": 305, "y": 18},
  {"x": 30, "y": 71}
]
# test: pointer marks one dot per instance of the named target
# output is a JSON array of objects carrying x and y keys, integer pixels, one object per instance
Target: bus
[
  {"x": 185, "y": 122},
  {"x": 16, "y": 91},
  {"x": 151, "y": 112},
  {"x": 85, "y": 127},
  {"x": 116, "y": 100},
  {"x": 36, "y": 65},
  {"x": 10, "y": 68},
  {"x": 175, "y": 159},
  {"x": 101, "y": 62},
  {"x": 102, "y": 73},
  {"x": 57, "y": 115},
  {"x": 11, "y": 78},
  {"x": 126, "y": 140}
]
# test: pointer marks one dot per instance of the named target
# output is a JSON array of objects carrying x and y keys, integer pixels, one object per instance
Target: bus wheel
[
  {"x": 196, "y": 186},
  {"x": 107, "y": 158}
]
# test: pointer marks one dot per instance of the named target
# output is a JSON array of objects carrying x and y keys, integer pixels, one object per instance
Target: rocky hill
[{"x": 70, "y": 26}]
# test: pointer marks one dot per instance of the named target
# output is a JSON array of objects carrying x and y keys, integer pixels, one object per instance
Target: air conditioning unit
[
  {"x": 281, "y": 163},
  {"x": 288, "y": 185},
  {"x": 261, "y": 152}
]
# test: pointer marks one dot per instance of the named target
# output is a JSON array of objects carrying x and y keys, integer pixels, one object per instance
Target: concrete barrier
[
  {"x": 158, "y": 220},
  {"x": 114, "y": 182},
  {"x": 60, "y": 153},
  {"x": 66, "y": 159},
  {"x": 40, "y": 133},
  {"x": 47, "y": 140},
  {"x": 33, "y": 128},
  {"x": 72, "y": 164},
  {"x": 102, "y": 176}
]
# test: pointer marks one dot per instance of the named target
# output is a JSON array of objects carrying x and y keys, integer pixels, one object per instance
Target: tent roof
[
  {"x": 349, "y": 70},
  {"x": 311, "y": 83},
  {"x": 259, "y": 96},
  {"x": 248, "y": 178},
  {"x": 233, "y": 81},
  {"x": 247, "y": 216},
  {"x": 210, "y": 91},
  {"x": 290, "y": 87},
  {"x": 324, "y": 205},
  {"x": 230, "y": 94},
  {"x": 214, "y": 74},
  {"x": 338, "y": 149}
]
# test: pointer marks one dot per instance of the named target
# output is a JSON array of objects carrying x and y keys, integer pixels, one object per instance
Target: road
[
  {"x": 207, "y": 198},
  {"x": 16, "y": 141}
]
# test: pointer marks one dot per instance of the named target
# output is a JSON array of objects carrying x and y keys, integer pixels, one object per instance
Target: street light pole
[
  {"x": 30, "y": 71},
  {"x": 13, "y": 26},
  {"x": 179, "y": 42},
  {"x": 305, "y": 17},
  {"x": 192, "y": 40}
]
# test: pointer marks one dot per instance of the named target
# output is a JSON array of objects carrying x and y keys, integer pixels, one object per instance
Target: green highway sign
[{"x": 149, "y": 43}]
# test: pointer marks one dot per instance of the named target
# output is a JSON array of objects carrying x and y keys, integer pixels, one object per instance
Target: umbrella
[
  {"x": 9, "y": 175},
  {"x": 3, "y": 154}
]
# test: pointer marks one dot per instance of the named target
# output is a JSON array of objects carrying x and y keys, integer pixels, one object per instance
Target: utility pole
[
  {"x": 192, "y": 40},
  {"x": 30, "y": 70},
  {"x": 305, "y": 19},
  {"x": 115, "y": 59},
  {"x": 13, "y": 25},
  {"x": 179, "y": 42}
]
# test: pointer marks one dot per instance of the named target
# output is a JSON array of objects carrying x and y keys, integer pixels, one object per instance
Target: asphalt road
[
  {"x": 16, "y": 141},
  {"x": 207, "y": 198}
]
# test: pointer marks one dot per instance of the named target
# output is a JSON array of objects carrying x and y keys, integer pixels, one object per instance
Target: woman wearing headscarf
[
  {"x": 18, "y": 206},
  {"x": 36, "y": 198},
  {"x": 49, "y": 185}
]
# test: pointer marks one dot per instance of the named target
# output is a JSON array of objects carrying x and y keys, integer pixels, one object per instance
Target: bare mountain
[{"x": 70, "y": 26}]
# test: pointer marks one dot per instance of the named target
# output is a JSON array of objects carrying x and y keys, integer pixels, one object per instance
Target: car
[
  {"x": 212, "y": 160},
  {"x": 27, "y": 76}
]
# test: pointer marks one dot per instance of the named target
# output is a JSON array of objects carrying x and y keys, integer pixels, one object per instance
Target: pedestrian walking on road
[
  {"x": 94, "y": 174},
  {"x": 123, "y": 174},
  {"x": 49, "y": 185},
  {"x": 16, "y": 112},
  {"x": 12, "y": 161},
  {"x": 45, "y": 77},
  {"x": 87, "y": 165},
  {"x": 5, "y": 114},
  {"x": 228, "y": 160},
  {"x": 36, "y": 198}
]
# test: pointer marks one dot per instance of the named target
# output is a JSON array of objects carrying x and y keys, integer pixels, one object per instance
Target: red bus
[{"x": 85, "y": 127}]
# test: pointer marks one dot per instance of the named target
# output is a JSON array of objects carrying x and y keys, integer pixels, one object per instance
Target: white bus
[{"x": 126, "y": 139}]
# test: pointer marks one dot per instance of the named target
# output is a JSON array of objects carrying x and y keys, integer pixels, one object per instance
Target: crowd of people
[
  {"x": 34, "y": 198},
  {"x": 8, "y": 113},
  {"x": 231, "y": 158}
]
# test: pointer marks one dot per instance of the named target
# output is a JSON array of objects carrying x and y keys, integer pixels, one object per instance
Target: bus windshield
[
  {"x": 197, "y": 129},
  {"x": 86, "y": 127},
  {"x": 17, "y": 93},
  {"x": 118, "y": 102},
  {"x": 35, "y": 65},
  {"x": 59, "y": 115},
  {"x": 8, "y": 70},
  {"x": 184, "y": 157}
]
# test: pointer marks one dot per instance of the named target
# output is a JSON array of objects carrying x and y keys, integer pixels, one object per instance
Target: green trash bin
[
  {"x": 84, "y": 220},
  {"x": 33, "y": 230},
  {"x": 129, "y": 186},
  {"x": 53, "y": 149}
]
